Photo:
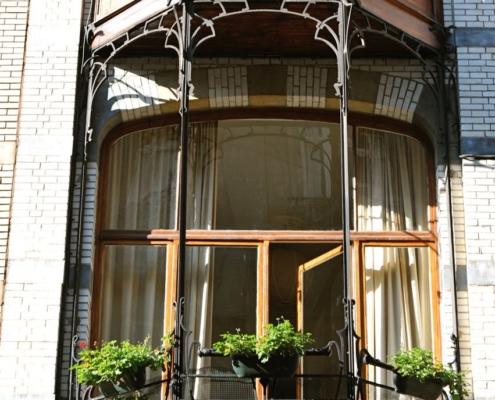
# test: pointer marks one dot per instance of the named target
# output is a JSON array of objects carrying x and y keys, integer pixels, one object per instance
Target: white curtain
[
  {"x": 133, "y": 293},
  {"x": 398, "y": 302},
  {"x": 276, "y": 175},
  {"x": 142, "y": 180},
  {"x": 392, "y": 195},
  {"x": 200, "y": 197},
  {"x": 140, "y": 195},
  {"x": 392, "y": 185}
]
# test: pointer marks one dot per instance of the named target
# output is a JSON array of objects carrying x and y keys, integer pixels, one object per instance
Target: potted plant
[
  {"x": 276, "y": 353},
  {"x": 119, "y": 367},
  {"x": 417, "y": 374}
]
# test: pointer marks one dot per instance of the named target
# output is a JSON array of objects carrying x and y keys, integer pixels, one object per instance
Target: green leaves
[
  {"x": 109, "y": 361},
  {"x": 234, "y": 344},
  {"x": 419, "y": 363},
  {"x": 279, "y": 339}
]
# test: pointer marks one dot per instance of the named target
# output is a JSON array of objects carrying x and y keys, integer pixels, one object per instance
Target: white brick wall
[
  {"x": 228, "y": 86},
  {"x": 457, "y": 195},
  {"x": 13, "y": 21},
  {"x": 39, "y": 212},
  {"x": 134, "y": 92},
  {"x": 470, "y": 13},
  {"x": 463, "y": 316},
  {"x": 477, "y": 91},
  {"x": 482, "y": 309},
  {"x": 476, "y": 77},
  {"x": 36, "y": 258},
  {"x": 479, "y": 199}
]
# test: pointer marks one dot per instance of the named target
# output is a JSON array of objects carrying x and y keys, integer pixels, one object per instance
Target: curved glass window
[
  {"x": 264, "y": 240},
  {"x": 142, "y": 180},
  {"x": 392, "y": 184},
  {"x": 264, "y": 175},
  {"x": 133, "y": 293},
  {"x": 267, "y": 175}
]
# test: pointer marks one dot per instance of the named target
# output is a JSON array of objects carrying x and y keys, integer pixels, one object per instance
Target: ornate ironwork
[{"x": 175, "y": 23}]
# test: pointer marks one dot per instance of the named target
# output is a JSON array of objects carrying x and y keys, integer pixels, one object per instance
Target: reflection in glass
[
  {"x": 265, "y": 174},
  {"x": 324, "y": 316},
  {"x": 306, "y": 283},
  {"x": 220, "y": 292}
]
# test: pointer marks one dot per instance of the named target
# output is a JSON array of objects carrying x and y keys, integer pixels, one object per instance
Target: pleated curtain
[{"x": 392, "y": 195}]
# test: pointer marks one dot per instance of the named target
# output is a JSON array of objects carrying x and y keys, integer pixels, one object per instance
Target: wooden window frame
[{"x": 263, "y": 239}]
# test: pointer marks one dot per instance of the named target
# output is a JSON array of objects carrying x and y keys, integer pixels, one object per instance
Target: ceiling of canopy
[{"x": 266, "y": 29}]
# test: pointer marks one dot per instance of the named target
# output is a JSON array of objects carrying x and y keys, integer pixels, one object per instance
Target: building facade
[{"x": 329, "y": 162}]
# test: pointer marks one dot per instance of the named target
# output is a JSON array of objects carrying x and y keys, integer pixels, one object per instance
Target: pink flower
[{"x": 82, "y": 345}]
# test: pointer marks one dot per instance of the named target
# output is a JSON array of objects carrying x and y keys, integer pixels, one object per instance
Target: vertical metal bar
[
  {"x": 185, "y": 71},
  {"x": 343, "y": 67},
  {"x": 442, "y": 99},
  {"x": 80, "y": 221}
]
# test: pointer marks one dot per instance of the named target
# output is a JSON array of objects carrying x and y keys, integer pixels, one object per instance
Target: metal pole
[
  {"x": 450, "y": 214},
  {"x": 185, "y": 61},
  {"x": 343, "y": 67}
]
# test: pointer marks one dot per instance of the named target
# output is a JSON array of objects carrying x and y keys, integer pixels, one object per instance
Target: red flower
[{"x": 82, "y": 345}]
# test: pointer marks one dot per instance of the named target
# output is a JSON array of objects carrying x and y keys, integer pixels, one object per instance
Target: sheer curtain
[
  {"x": 392, "y": 195},
  {"x": 143, "y": 180},
  {"x": 200, "y": 205},
  {"x": 278, "y": 175},
  {"x": 392, "y": 188},
  {"x": 398, "y": 302},
  {"x": 133, "y": 293},
  {"x": 141, "y": 195}
]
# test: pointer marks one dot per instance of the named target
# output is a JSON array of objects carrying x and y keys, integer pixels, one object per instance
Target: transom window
[{"x": 266, "y": 175}]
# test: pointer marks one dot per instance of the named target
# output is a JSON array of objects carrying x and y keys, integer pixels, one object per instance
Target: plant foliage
[
  {"x": 109, "y": 361},
  {"x": 420, "y": 363},
  {"x": 279, "y": 340},
  {"x": 236, "y": 344}
]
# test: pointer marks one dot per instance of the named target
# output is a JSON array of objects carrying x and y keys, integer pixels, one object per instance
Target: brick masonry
[
  {"x": 476, "y": 80},
  {"x": 45, "y": 111},
  {"x": 84, "y": 300},
  {"x": 13, "y": 22},
  {"x": 397, "y": 97},
  {"x": 470, "y": 13},
  {"x": 36, "y": 127},
  {"x": 477, "y": 91}
]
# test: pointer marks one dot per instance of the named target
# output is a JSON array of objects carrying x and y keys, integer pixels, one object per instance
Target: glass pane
[
  {"x": 220, "y": 293},
  {"x": 392, "y": 182},
  {"x": 398, "y": 303},
  {"x": 142, "y": 180},
  {"x": 133, "y": 293},
  {"x": 323, "y": 316},
  {"x": 284, "y": 262},
  {"x": 266, "y": 175}
]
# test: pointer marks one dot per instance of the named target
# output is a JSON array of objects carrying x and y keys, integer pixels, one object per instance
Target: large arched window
[{"x": 265, "y": 235}]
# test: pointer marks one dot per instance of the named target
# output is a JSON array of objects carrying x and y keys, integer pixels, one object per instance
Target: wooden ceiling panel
[{"x": 270, "y": 33}]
